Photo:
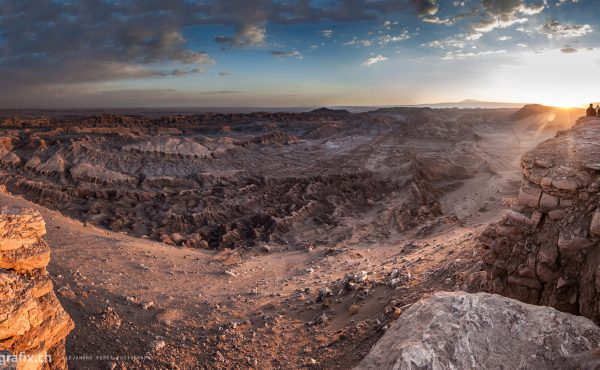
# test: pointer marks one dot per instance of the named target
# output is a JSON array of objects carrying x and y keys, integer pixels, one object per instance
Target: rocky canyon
[{"x": 300, "y": 240}]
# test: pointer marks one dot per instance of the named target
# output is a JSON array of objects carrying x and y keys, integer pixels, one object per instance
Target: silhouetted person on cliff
[{"x": 590, "y": 112}]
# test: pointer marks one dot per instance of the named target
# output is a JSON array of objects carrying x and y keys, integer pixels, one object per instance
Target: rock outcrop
[
  {"x": 485, "y": 331},
  {"x": 546, "y": 250},
  {"x": 33, "y": 324}
]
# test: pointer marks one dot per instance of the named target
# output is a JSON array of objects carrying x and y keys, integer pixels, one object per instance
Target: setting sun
[{"x": 552, "y": 78}]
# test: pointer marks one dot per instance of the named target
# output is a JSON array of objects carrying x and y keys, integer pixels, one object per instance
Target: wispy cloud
[
  {"x": 286, "y": 54},
  {"x": 458, "y": 41},
  {"x": 381, "y": 40},
  {"x": 327, "y": 33},
  {"x": 374, "y": 59},
  {"x": 386, "y": 39},
  {"x": 437, "y": 20},
  {"x": 452, "y": 55},
  {"x": 359, "y": 42}
]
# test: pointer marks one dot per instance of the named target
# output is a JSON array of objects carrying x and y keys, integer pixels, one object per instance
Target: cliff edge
[
  {"x": 33, "y": 324},
  {"x": 546, "y": 250}
]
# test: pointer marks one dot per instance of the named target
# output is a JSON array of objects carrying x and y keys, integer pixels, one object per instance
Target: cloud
[
  {"x": 286, "y": 54},
  {"x": 454, "y": 42},
  {"x": 359, "y": 42},
  {"x": 56, "y": 42},
  {"x": 450, "y": 21},
  {"x": 561, "y": 2},
  {"x": 46, "y": 42},
  {"x": 505, "y": 13},
  {"x": 451, "y": 55},
  {"x": 224, "y": 74},
  {"x": 488, "y": 24},
  {"x": 426, "y": 7},
  {"x": 247, "y": 35},
  {"x": 484, "y": 16},
  {"x": 51, "y": 45},
  {"x": 389, "y": 25},
  {"x": 327, "y": 33},
  {"x": 437, "y": 20},
  {"x": 386, "y": 39},
  {"x": 507, "y": 8},
  {"x": 381, "y": 40},
  {"x": 373, "y": 60},
  {"x": 555, "y": 29}
]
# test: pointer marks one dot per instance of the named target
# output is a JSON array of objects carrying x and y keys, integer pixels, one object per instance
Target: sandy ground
[
  {"x": 479, "y": 199},
  {"x": 138, "y": 303}
]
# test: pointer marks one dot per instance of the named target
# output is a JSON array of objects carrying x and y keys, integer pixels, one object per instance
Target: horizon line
[{"x": 471, "y": 102}]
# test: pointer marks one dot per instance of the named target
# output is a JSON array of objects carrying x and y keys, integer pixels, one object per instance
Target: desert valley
[{"x": 297, "y": 240}]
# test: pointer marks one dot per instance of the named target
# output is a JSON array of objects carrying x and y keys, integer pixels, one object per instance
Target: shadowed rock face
[
  {"x": 485, "y": 331},
  {"x": 32, "y": 321},
  {"x": 546, "y": 251}
]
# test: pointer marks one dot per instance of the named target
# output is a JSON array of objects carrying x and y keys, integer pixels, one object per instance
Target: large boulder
[{"x": 485, "y": 331}]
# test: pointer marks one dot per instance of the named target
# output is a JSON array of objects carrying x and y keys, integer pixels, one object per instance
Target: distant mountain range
[
  {"x": 470, "y": 103},
  {"x": 159, "y": 111}
]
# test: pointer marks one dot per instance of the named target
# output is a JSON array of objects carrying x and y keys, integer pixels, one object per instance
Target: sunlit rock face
[
  {"x": 485, "y": 331},
  {"x": 33, "y": 324},
  {"x": 545, "y": 250}
]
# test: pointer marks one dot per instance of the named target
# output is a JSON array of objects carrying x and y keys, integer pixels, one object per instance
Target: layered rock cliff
[
  {"x": 33, "y": 324},
  {"x": 546, "y": 250}
]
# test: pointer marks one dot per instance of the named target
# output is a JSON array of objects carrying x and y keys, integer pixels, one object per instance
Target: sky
[{"x": 302, "y": 53}]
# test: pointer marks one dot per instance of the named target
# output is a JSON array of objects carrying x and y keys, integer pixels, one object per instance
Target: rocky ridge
[
  {"x": 33, "y": 324},
  {"x": 545, "y": 250}
]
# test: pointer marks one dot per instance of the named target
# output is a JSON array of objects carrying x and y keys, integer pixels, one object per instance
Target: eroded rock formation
[
  {"x": 546, "y": 250},
  {"x": 239, "y": 180},
  {"x": 485, "y": 331},
  {"x": 33, "y": 324}
]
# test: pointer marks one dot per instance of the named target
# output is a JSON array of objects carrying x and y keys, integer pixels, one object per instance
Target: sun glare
[{"x": 551, "y": 78}]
